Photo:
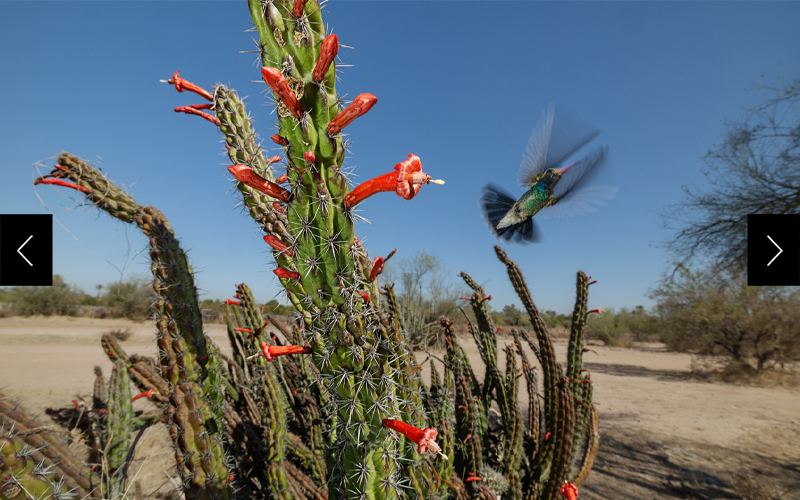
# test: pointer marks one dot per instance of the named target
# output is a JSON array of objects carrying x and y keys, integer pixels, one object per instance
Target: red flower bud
[
  {"x": 274, "y": 159},
  {"x": 279, "y": 207},
  {"x": 278, "y": 245},
  {"x": 297, "y": 8},
  {"x": 277, "y": 139},
  {"x": 327, "y": 52},
  {"x": 285, "y": 273},
  {"x": 277, "y": 83},
  {"x": 283, "y": 178},
  {"x": 181, "y": 85},
  {"x": 359, "y": 106},
  {"x": 247, "y": 176},
  {"x": 245, "y": 330},
  {"x": 232, "y": 302}
]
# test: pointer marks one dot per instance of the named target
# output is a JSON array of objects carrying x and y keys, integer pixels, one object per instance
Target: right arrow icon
[{"x": 780, "y": 250}]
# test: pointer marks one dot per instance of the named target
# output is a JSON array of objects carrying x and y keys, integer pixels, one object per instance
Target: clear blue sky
[{"x": 461, "y": 84}]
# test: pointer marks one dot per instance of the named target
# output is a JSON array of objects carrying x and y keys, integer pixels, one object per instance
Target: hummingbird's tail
[{"x": 495, "y": 204}]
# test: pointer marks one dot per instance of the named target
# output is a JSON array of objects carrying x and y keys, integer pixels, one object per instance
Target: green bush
[
  {"x": 131, "y": 298},
  {"x": 623, "y": 327},
  {"x": 713, "y": 312},
  {"x": 61, "y": 299}
]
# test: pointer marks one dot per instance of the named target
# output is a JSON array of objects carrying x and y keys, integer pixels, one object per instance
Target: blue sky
[{"x": 460, "y": 84}]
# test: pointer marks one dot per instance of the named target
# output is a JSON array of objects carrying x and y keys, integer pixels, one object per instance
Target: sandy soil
[{"x": 664, "y": 432}]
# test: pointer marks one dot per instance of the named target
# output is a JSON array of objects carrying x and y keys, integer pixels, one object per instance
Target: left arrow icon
[{"x": 19, "y": 250}]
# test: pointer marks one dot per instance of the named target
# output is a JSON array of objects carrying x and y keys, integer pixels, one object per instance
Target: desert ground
[{"x": 665, "y": 432}]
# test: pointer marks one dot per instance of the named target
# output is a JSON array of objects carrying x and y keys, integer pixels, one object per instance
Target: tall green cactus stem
[
  {"x": 119, "y": 424},
  {"x": 195, "y": 412},
  {"x": 557, "y": 457},
  {"x": 551, "y": 373}
]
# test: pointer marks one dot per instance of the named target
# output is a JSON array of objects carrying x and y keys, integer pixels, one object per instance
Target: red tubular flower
[
  {"x": 246, "y": 175},
  {"x": 592, "y": 282},
  {"x": 425, "y": 439},
  {"x": 283, "y": 178},
  {"x": 285, "y": 273},
  {"x": 360, "y": 105},
  {"x": 309, "y": 157},
  {"x": 232, "y": 302},
  {"x": 181, "y": 85},
  {"x": 278, "y": 245},
  {"x": 245, "y": 330},
  {"x": 569, "y": 491},
  {"x": 327, "y": 52},
  {"x": 377, "y": 268},
  {"x": 274, "y": 159},
  {"x": 473, "y": 477},
  {"x": 297, "y": 7},
  {"x": 146, "y": 394},
  {"x": 270, "y": 351},
  {"x": 277, "y": 139},
  {"x": 277, "y": 83},
  {"x": 405, "y": 181},
  {"x": 195, "y": 110},
  {"x": 59, "y": 182},
  {"x": 599, "y": 310}
]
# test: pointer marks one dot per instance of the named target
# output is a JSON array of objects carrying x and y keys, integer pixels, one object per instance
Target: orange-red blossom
[
  {"x": 569, "y": 491},
  {"x": 425, "y": 439},
  {"x": 406, "y": 180},
  {"x": 270, "y": 351}
]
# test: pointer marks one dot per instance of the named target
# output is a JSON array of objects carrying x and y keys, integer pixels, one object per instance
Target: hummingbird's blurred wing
[
  {"x": 535, "y": 157},
  {"x": 551, "y": 143},
  {"x": 571, "y": 193},
  {"x": 495, "y": 204},
  {"x": 579, "y": 201}
]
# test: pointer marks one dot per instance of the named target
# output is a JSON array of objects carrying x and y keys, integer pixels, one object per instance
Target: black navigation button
[
  {"x": 773, "y": 250},
  {"x": 26, "y": 250}
]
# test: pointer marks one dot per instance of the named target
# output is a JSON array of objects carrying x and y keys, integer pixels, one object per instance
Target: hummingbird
[{"x": 555, "y": 187}]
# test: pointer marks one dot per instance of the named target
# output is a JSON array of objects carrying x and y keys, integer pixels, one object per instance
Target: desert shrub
[
  {"x": 131, "y": 298},
  {"x": 622, "y": 327},
  {"x": 121, "y": 335},
  {"x": 426, "y": 292},
  {"x": 61, "y": 299},
  {"x": 713, "y": 312}
]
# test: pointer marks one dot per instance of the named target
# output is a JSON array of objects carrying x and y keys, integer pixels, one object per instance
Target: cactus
[{"x": 336, "y": 408}]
